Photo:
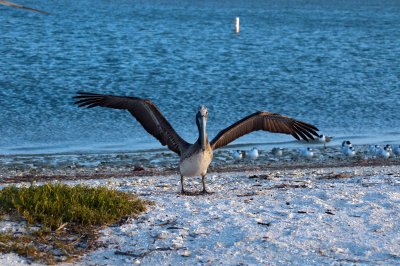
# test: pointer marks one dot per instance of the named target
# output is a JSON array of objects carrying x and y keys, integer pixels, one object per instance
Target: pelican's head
[
  {"x": 201, "y": 121},
  {"x": 202, "y": 111}
]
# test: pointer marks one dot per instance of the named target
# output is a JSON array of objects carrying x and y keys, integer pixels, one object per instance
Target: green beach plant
[{"x": 68, "y": 218}]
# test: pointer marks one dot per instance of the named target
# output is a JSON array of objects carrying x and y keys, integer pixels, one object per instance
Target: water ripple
[{"x": 331, "y": 63}]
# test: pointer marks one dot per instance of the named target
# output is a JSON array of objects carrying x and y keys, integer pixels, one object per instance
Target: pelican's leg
[
  {"x": 203, "y": 180},
  {"x": 182, "y": 189}
]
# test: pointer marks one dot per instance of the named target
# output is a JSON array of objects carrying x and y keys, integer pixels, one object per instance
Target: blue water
[{"x": 335, "y": 64}]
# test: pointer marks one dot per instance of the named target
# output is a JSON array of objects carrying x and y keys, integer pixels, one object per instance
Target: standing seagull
[
  {"x": 307, "y": 152},
  {"x": 253, "y": 154},
  {"x": 237, "y": 155},
  {"x": 324, "y": 139},
  {"x": 195, "y": 158},
  {"x": 11, "y": 4}
]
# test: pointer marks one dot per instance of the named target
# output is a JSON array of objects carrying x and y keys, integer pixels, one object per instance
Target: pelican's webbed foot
[
  {"x": 206, "y": 192},
  {"x": 203, "y": 180},
  {"x": 188, "y": 193},
  {"x": 183, "y": 191}
]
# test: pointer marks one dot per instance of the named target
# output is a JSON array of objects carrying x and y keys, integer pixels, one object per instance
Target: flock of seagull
[
  {"x": 375, "y": 151},
  {"x": 347, "y": 149},
  {"x": 239, "y": 155},
  {"x": 384, "y": 152}
]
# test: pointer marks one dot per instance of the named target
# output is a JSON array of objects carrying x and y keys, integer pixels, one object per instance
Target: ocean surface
[{"x": 334, "y": 64}]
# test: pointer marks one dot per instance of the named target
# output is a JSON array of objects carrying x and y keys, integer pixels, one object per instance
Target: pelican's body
[
  {"x": 195, "y": 158},
  {"x": 196, "y": 163}
]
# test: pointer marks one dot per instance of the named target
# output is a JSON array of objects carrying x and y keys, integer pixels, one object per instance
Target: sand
[{"x": 257, "y": 215}]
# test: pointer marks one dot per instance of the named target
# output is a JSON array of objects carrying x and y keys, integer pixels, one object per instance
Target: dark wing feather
[
  {"x": 268, "y": 122},
  {"x": 11, "y": 4},
  {"x": 144, "y": 110}
]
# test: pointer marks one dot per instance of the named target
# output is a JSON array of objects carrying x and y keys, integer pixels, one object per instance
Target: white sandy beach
[{"x": 331, "y": 216}]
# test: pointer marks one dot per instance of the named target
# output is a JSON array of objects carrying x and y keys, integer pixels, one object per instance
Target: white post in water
[{"x": 237, "y": 28}]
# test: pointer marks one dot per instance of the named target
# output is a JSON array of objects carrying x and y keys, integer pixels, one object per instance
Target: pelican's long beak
[
  {"x": 203, "y": 134},
  {"x": 201, "y": 121}
]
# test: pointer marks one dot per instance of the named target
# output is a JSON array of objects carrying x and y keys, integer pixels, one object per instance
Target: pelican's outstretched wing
[
  {"x": 264, "y": 121},
  {"x": 144, "y": 110},
  {"x": 11, "y": 4}
]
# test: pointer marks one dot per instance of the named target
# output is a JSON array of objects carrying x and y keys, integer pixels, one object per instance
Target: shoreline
[
  {"x": 137, "y": 171},
  {"x": 14, "y": 169}
]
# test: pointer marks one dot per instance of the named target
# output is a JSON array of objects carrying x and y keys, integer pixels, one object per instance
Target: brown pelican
[
  {"x": 195, "y": 158},
  {"x": 11, "y": 4}
]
